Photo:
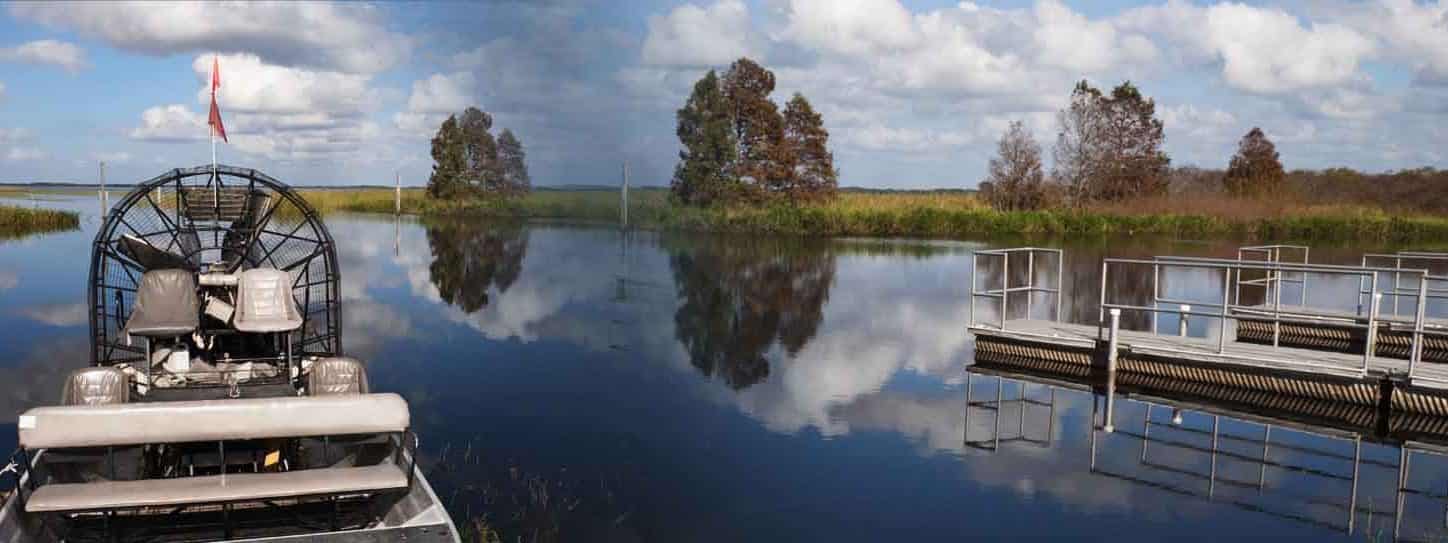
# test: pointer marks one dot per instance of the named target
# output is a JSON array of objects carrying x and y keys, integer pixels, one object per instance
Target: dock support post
[
  {"x": 1370, "y": 345},
  {"x": 1111, "y": 345},
  {"x": 1182, "y": 322},
  {"x": 1005, "y": 287}
]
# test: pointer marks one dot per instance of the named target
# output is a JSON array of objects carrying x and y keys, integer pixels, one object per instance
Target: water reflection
[
  {"x": 469, "y": 259},
  {"x": 741, "y": 299}
]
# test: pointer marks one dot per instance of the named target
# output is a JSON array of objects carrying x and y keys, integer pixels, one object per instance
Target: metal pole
[
  {"x": 1060, "y": 278},
  {"x": 1212, "y": 477},
  {"x": 1226, "y": 299},
  {"x": 1155, "y": 294},
  {"x": 996, "y": 441},
  {"x": 1277, "y": 307},
  {"x": 1417, "y": 348},
  {"x": 1371, "y": 343},
  {"x": 103, "y": 190},
  {"x": 1182, "y": 322},
  {"x": 1030, "y": 280},
  {"x": 623, "y": 199},
  {"x": 1005, "y": 286},
  {"x": 974, "y": 263},
  {"x": 1401, "y": 492},
  {"x": 1357, "y": 458},
  {"x": 397, "y": 194},
  {"x": 1111, "y": 370},
  {"x": 1101, "y": 307}
]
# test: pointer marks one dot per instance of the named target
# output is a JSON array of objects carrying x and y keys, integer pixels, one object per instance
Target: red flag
[{"x": 217, "y": 128}]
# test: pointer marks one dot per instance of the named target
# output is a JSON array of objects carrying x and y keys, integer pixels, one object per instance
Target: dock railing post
[
  {"x": 974, "y": 263},
  {"x": 1182, "y": 322},
  {"x": 1060, "y": 280},
  {"x": 1416, "y": 352},
  {"x": 1155, "y": 294},
  {"x": 1226, "y": 302},
  {"x": 1101, "y": 307},
  {"x": 1030, "y": 281},
  {"x": 1005, "y": 286},
  {"x": 1371, "y": 343},
  {"x": 1111, "y": 346}
]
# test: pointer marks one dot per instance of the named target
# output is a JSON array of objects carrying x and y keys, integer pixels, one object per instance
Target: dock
[{"x": 1227, "y": 335}]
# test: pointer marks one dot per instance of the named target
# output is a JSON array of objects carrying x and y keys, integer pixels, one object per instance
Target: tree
[
  {"x": 1017, "y": 179},
  {"x": 480, "y": 150},
  {"x": 705, "y": 173},
  {"x": 1255, "y": 169},
  {"x": 1109, "y": 147},
  {"x": 449, "y": 162},
  {"x": 810, "y": 165},
  {"x": 758, "y": 128},
  {"x": 512, "y": 163}
]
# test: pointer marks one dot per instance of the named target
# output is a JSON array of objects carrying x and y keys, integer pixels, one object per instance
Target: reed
[
  {"x": 943, "y": 215},
  {"x": 18, "y": 222}
]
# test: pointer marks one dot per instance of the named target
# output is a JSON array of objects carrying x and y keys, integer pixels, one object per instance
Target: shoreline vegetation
[
  {"x": 926, "y": 214},
  {"x": 18, "y": 222}
]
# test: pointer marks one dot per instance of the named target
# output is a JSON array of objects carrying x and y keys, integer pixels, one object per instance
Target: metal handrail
[
  {"x": 1224, "y": 310},
  {"x": 1003, "y": 293}
]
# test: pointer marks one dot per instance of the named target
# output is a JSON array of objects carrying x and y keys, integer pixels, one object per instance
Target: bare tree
[
  {"x": 1017, "y": 179},
  {"x": 1109, "y": 146}
]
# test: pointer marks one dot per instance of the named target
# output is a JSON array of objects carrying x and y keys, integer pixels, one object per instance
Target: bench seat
[{"x": 230, "y": 488}]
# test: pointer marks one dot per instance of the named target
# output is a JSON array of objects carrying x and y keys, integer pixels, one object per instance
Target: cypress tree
[
  {"x": 1255, "y": 169},
  {"x": 810, "y": 164},
  {"x": 449, "y": 164},
  {"x": 705, "y": 173},
  {"x": 512, "y": 163}
]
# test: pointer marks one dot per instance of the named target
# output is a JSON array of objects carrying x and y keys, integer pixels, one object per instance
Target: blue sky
[{"x": 914, "y": 94}]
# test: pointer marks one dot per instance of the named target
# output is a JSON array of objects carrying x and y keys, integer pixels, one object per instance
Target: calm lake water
[{"x": 578, "y": 382}]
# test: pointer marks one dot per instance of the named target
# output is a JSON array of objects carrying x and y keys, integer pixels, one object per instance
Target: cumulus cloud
[
  {"x": 431, "y": 101},
  {"x": 13, "y": 135},
  {"x": 112, "y": 156},
  {"x": 1261, "y": 50},
  {"x": 691, "y": 35},
  {"x": 337, "y": 36},
  {"x": 279, "y": 112},
  {"x": 58, "y": 53}
]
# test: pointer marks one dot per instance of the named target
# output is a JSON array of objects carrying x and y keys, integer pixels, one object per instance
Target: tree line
[
  {"x": 469, "y": 162},
  {"x": 738, "y": 146}
]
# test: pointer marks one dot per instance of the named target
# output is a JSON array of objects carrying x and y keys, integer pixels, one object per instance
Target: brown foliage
[
  {"x": 1109, "y": 147},
  {"x": 1255, "y": 169},
  {"x": 809, "y": 165},
  {"x": 1017, "y": 179},
  {"x": 758, "y": 127}
]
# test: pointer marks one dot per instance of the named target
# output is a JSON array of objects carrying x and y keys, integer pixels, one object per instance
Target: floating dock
[{"x": 1228, "y": 335}]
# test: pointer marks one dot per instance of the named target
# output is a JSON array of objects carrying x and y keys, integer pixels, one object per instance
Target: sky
[{"x": 914, "y": 94}]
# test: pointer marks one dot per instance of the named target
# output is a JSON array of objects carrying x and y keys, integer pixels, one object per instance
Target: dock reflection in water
[{"x": 1384, "y": 480}]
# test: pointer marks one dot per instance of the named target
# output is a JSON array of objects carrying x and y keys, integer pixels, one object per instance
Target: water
[{"x": 572, "y": 383}]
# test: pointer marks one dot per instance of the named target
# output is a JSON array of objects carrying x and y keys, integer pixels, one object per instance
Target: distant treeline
[{"x": 1421, "y": 190}]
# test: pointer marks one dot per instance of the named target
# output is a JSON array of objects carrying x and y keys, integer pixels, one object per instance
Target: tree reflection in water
[
  {"x": 469, "y": 258},
  {"x": 740, "y": 299}
]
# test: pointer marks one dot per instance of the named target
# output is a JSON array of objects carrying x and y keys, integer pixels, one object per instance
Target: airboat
[{"x": 218, "y": 403}]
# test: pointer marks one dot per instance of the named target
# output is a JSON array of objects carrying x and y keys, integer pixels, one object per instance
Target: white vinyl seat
[{"x": 265, "y": 302}]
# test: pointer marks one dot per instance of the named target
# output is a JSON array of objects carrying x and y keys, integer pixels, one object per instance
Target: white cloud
[
  {"x": 13, "y": 135},
  {"x": 690, "y": 35},
  {"x": 339, "y": 36},
  {"x": 59, "y": 53},
  {"x": 431, "y": 101},
  {"x": 112, "y": 157},
  {"x": 1415, "y": 33},
  {"x": 57, "y": 314},
  {"x": 18, "y": 154},
  {"x": 278, "y": 112},
  {"x": 1261, "y": 50}
]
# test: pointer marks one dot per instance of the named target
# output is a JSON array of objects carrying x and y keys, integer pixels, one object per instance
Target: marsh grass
[
  {"x": 943, "y": 215},
  {"x": 18, "y": 222}
]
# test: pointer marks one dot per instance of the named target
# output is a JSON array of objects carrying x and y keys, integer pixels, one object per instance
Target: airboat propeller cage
[{"x": 217, "y": 222}]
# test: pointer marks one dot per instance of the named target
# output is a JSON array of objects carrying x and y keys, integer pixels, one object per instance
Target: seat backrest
[
  {"x": 211, "y": 420},
  {"x": 96, "y": 386},
  {"x": 265, "y": 302},
  {"x": 166, "y": 304},
  {"x": 337, "y": 375}
]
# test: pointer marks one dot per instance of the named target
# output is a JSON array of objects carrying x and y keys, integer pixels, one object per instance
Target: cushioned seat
[
  {"x": 228, "y": 488},
  {"x": 265, "y": 302},
  {"x": 92, "y": 386},
  {"x": 166, "y": 305},
  {"x": 337, "y": 375}
]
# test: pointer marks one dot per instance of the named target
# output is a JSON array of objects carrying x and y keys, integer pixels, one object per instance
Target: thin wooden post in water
[
  {"x": 102, "y": 195},
  {"x": 397, "y": 194},
  {"x": 1111, "y": 370},
  {"x": 623, "y": 199}
]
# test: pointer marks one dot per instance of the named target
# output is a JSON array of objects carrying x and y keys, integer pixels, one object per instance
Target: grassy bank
[
  {"x": 18, "y": 222},
  {"x": 935, "y": 215}
]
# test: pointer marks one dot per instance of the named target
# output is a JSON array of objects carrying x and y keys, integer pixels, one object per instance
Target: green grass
[
  {"x": 18, "y": 222},
  {"x": 941, "y": 215}
]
